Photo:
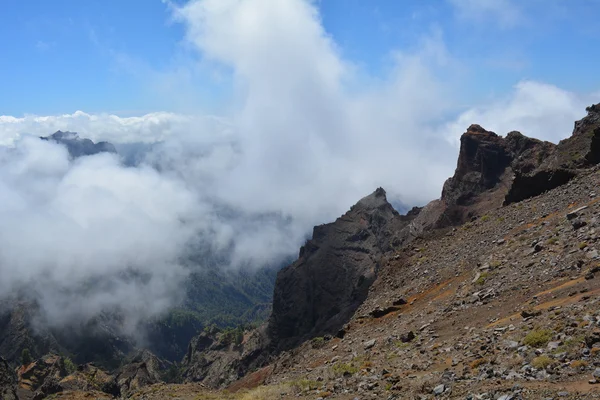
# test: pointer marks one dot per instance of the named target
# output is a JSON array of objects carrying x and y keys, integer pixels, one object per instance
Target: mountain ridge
[{"x": 377, "y": 303}]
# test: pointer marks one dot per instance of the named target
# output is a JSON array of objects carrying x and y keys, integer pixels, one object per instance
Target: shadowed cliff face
[
  {"x": 8, "y": 384},
  {"x": 319, "y": 292},
  {"x": 482, "y": 160}
]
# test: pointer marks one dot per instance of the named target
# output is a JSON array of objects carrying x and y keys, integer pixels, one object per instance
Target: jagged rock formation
[
  {"x": 319, "y": 292},
  {"x": 142, "y": 370},
  {"x": 216, "y": 360},
  {"x": 581, "y": 150},
  {"x": 41, "y": 378},
  {"x": 485, "y": 167},
  {"x": 88, "y": 378},
  {"x": 8, "y": 386},
  {"x": 79, "y": 147},
  {"x": 315, "y": 295},
  {"x": 493, "y": 171}
]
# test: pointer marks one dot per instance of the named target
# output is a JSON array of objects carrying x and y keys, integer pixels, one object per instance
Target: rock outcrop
[
  {"x": 216, "y": 360},
  {"x": 41, "y": 378},
  {"x": 484, "y": 172},
  {"x": 79, "y": 147},
  {"x": 8, "y": 386},
  {"x": 143, "y": 369},
  {"x": 314, "y": 296},
  {"x": 560, "y": 165},
  {"x": 319, "y": 292}
]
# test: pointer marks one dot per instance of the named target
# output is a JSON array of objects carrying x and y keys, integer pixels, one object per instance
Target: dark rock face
[
  {"x": 319, "y": 292},
  {"x": 80, "y": 147},
  {"x": 8, "y": 386},
  {"x": 560, "y": 165},
  {"x": 525, "y": 186},
  {"x": 486, "y": 164},
  {"x": 482, "y": 160},
  {"x": 314, "y": 296}
]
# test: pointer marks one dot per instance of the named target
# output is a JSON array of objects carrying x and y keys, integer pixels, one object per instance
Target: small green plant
[
  {"x": 317, "y": 342},
  {"x": 26, "y": 357},
  {"x": 304, "y": 385},
  {"x": 70, "y": 365},
  {"x": 538, "y": 337},
  {"x": 485, "y": 218},
  {"x": 582, "y": 245},
  {"x": 542, "y": 362},
  {"x": 345, "y": 369},
  {"x": 482, "y": 278},
  {"x": 552, "y": 241}
]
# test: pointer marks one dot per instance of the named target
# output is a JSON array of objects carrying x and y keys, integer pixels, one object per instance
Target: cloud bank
[{"x": 304, "y": 139}]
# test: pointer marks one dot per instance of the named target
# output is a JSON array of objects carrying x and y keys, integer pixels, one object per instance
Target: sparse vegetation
[
  {"x": 345, "y": 369},
  {"x": 482, "y": 278},
  {"x": 542, "y": 362},
  {"x": 304, "y": 385},
  {"x": 582, "y": 245},
  {"x": 70, "y": 366},
  {"x": 538, "y": 337},
  {"x": 317, "y": 342}
]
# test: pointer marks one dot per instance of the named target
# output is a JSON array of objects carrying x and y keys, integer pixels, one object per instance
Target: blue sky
[{"x": 65, "y": 55}]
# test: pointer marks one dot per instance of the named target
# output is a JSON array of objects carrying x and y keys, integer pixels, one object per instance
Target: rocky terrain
[{"x": 490, "y": 292}]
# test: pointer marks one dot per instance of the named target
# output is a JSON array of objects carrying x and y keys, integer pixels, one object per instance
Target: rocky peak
[
  {"x": 376, "y": 200},
  {"x": 556, "y": 165},
  {"x": 79, "y": 147},
  {"x": 319, "y": 292},
  {"x": 482, "y": 159},
  {"x": 590, "y": 121}
]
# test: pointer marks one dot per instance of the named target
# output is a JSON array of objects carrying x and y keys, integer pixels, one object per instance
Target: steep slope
[
  {"x": 314, "y": 296},
  {"x": 506, "y": 305}
]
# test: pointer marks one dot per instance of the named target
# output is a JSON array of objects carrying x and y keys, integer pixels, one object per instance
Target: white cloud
[
  {"x": 535, "y": 109},
  {"x": 66, "y": 224},
  {"x": 504, "y": 13},
  {"x": 148, "y": 128}
]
